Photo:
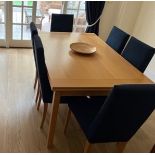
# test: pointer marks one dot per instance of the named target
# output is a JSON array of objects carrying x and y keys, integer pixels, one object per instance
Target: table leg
[{"x": 53, "y": 119}]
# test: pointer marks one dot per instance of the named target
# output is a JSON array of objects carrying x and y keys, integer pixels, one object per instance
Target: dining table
[{"x": 75, "y": 74}]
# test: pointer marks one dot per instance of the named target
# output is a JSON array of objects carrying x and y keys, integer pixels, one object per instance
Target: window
[
  {"x": 2, "y": 21},
  {"x": 22, "y": 16},
  {"x": 77, "y": 8}
]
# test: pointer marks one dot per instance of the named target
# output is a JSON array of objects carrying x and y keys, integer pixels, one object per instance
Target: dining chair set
[
  {"x": 44, "y": 90},
  {"x": 133, "y": 50},
  {"x": 112, "y": 118}
]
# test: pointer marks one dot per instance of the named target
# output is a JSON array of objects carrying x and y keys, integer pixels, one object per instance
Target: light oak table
[{"x": 73, "y": 74}]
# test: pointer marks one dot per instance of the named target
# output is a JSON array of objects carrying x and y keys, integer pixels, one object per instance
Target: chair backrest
[
  {"x": 62, "y": 23},
  {"x": 123, "y": 112},
  {"x": 138, "y": 53},
  {"x": 34, "y": 31},
  {"x": 42, "y": 70},
  {"x": 117, "y": 39}
]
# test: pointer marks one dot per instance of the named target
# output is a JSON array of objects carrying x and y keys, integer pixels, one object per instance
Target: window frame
[{"x": 76, "y": 25}]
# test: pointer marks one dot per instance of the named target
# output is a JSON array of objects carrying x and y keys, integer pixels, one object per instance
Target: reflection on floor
[{"x": 19, "y": 119}]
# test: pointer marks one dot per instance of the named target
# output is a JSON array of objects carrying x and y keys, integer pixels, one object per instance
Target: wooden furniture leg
[
  {"x": 35, "y": 81},
  {"x": 67, "y": 120},
  {"x": 44, "y": 114},
  {"x": 53, "y": 119},
  {"x": 39, "y": 101},
  {"x": 87, "y": 147},
  {"x": 121, "y": 146},
  {"x": 37, "y": 95},
  {"x": 153, "y": 149}
]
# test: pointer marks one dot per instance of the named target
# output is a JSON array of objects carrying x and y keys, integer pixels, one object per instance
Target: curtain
[{"x": 93, "y": 11}]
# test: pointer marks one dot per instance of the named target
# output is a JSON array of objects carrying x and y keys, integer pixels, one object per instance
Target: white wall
[
  {"x": 108, "y": 18},
  {"x": 122, "y": 14},
  {"x": 128, "y": 15},
  {"x": 145, "y": 26},
  {"x": 145, "y": 31}
]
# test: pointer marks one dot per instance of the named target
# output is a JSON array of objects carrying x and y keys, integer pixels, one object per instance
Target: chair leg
[
  {"x": 37, "y": 95},
  {"x": 121, "y": 146},
  {"x": 87, "y": 147},
  {"x": 44, "y": 114},
  {"x": 39, "y": 101},
  {"x": 67, "y": 120},
  {"x": 153, "y": 149},
  {"x": 36, "y": 79}
]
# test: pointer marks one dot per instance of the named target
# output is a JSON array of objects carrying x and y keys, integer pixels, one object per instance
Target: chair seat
[
  {"x": 85, "y": 110},
  {"x": 64, "y": 99},
  {"x": 72, "y": 99}
]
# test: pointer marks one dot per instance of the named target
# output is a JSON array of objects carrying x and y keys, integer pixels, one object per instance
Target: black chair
[
  {"x": 117, "y": 39},
  {"x": 118, "y": 118},
  {"x": 138, "y": 53},
  {"x": 45, "y": 88},
  {"x": 34, "y": 31},
  {"x": 62, "y": 23}
]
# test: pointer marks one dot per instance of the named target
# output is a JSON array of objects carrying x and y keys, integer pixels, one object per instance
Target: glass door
[
  {"x": 45, "y": 9},
  {"x": 2, "y": 24},
  {"x": 77, "y": 8},
  {"x": 21, "y": 14},
  {"x": 15, "y": 18}
]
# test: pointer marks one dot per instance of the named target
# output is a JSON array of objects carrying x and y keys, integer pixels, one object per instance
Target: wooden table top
[{"x": 72, "y": 71}]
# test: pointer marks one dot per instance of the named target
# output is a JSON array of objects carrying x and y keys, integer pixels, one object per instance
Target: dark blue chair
[
  {"x": 138, "y": 53},
  {"x": 118, "y": 118},
  {"x": 117, "y": 39},
  {"x": 62, "y": 23},
  {"x": 45, "y": 88},
  {"x": 34, "y": 31}
]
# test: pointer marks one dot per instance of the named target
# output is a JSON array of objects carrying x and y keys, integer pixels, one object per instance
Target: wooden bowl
[{"x": 83, "y": 48}]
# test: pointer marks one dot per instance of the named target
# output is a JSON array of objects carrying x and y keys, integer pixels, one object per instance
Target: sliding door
[
  {"x": 20, "y": 15},
  {"x": 77, "y": 8},
  {"x": 2, "y": 24}
]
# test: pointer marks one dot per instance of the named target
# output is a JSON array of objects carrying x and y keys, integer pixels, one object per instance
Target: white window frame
[
  {"x": 77, "y": 15},
  {"x": 3, "y": 40},
  {"x": 13, "y": 42}
]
